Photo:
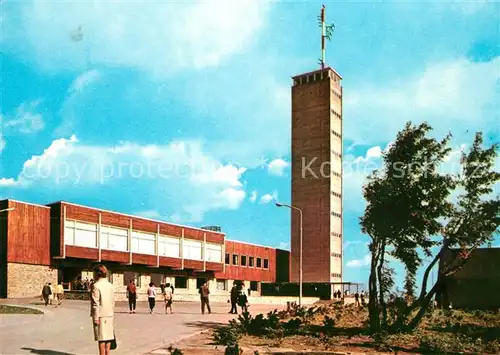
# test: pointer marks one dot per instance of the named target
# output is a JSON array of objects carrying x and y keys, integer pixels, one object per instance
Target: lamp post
[
  {"x": 8, "y": 209},
  {"x": 300, "y": 249}
]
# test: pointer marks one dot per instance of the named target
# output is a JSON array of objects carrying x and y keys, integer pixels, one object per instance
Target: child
[{"x": 167, "y": 294}]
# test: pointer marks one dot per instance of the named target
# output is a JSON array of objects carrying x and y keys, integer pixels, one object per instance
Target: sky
[{"x": 182, "y": 111}]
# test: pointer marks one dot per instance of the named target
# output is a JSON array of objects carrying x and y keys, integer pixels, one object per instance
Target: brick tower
[{"x": 317, "y": 175}]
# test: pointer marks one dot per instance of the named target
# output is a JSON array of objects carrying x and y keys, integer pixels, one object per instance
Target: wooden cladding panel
[
  {"x": 246, "y": 273},
  {"x": 190, "y": 233},
  {"x": 81, "y": 213},
  {"x": 81, "y": 252},
  {"x": 115, "y": 220},
  {"x": 193, "y": 264},
  {"x": 144, "y": 225},
  {"x": 170, "y": 230},
  {"x": 144, "y": 259},
  {"x": 28, "y": 238},
  {"x": 215, "y": 238},
  {"x": 117, "y": 256},
  {"x": 172, "y": 262},
  {"x": 216, "y": 267}
]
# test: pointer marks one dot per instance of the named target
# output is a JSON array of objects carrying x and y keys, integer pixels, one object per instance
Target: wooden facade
[
  {"x": 34, "y": 234},
  {"x": 28, "y": 234},
  {"x": 62, "y": 211},
  {"x": 247, "y": 272}
]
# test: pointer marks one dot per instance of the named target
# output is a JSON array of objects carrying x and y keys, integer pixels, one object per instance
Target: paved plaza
[{"x": 67, "y": 330}]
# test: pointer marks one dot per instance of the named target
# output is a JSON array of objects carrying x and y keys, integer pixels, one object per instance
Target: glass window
[
  {"x": 251, "y": 261},
  {"x": 80, "y": 234},
  {"x": 243, "y": 260},
  {"x": 221, "y": 285},
  {"x": 266, "y": 263},
  {"x": 157, "y": 279},
  {"x": 228, "y": 258},
  {"x": 143, "y": 243},
  {"x": 129, "y": 275},
  {"x": 214, "y": 252},
  {"x": 114, "y": 238},
  {"x": 192, "y": 249},
  {"x": 259, "y": 262},
  {"x": 169, "y": 246},
  {"x": 254, "y": 285},
  {"x": 181, "y": 282},
  {"x": 235, "y": 259}
]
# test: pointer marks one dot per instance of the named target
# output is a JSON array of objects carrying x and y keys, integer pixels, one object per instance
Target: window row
[
  {"x": 85, "y": 235},
  {"x": 244, "y": 260}
]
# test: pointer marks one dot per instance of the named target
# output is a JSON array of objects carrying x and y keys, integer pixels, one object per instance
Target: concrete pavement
[{"x": 67, "y": 330}]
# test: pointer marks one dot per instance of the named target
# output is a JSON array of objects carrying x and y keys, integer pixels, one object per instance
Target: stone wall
[{"x": 24, "y": 280}]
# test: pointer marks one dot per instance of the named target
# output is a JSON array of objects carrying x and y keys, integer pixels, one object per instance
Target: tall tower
[{"x": 317, "y": 175}]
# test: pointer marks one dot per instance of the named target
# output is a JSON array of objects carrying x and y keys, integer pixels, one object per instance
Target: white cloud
[
  {"x": 153, "y": 214},
  {"x": 8, "y": 182},
  {"x": 179, "y": 173},
  {"x": 85, "y": 79},
  {"x": 26, "y": 119},
  {"x": 284, "y": 245},
  {"x": 277, "y": 167},
  {"x": 359, "y": 263},
  {"x": 124, "y": 33},
  {"x": 253, "y": 196},
  {"x": 459, "y": 95},
  {"x": 267, "y": 198}
]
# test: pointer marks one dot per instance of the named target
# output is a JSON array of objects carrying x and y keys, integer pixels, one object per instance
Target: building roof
[{"x": 317, "y": 71}]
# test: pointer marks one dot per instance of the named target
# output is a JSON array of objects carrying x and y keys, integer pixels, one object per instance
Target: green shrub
[
  {"x": 328, "y": 325},
  {"x": 175, "y": 351},
  {"x": 276, "y": 335},
  {"x": 293, "y": 326},
  {"x": 233, "y": 349},
  {"x": 227, "y": 335},
  {"x": 492, "y": 347}
]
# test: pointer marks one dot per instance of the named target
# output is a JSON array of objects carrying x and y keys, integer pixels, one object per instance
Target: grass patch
[{"x": 6, "y": 309}]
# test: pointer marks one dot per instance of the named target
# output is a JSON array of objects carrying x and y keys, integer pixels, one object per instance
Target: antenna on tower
[{"x": 326, "y": 34}]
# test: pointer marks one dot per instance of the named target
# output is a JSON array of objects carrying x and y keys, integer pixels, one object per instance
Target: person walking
[
  {"x": 46, "y": 292},
  {"x": 132, "y": 296},
  {"x": 168, "y": 296},
  {"x": 59, "y": 294},
  {"x": 102, "y": 303},
  {"x": 151, "y": 297},
  {"x": 242, "y": 299},
  {"x": 234, "y": 299},
  {"x": 356, "y": 298},
  {"x": 204, "y": 292}
]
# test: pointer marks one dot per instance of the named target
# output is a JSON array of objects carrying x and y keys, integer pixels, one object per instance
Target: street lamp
[
  {"x": 8, "y": 209},
  {"x": 300, "y": 250}
]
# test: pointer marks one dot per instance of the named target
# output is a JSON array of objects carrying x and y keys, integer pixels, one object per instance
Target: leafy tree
[{"x": 408, "y": 205}]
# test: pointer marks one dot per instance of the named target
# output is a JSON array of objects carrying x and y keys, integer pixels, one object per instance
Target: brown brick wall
[
  {"x": 312, "y": 139},
  {"x": 24, "y": 280}
]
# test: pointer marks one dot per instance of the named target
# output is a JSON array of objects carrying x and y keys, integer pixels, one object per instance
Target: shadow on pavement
[
  {"x": 205, "y": 324},
  {"x": 46, "y": 352}
]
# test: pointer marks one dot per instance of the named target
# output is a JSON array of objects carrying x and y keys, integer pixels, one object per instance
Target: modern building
[
  {"x": 475, "y": 285},
  {"x": 60, "y": 242},
  {"x": 317, "y": 175}
]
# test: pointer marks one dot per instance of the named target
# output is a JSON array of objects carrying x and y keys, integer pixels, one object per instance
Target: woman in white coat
[{"x": 102, "y": 302}]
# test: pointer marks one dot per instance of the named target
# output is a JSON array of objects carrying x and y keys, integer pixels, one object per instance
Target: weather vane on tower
[{"x": 326, "y": 34}]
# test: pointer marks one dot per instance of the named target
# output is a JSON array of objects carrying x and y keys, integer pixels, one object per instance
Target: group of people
[
  {"x": 51, "y": 294},
  {"x": 238, "y": 297},
  {"x": 167, "y": 290}
]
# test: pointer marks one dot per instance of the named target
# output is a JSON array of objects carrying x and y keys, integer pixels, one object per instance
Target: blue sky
[{"x": 181, "y": 111}]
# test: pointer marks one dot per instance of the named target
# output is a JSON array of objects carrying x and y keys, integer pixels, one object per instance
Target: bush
[
  {"x": 492, "y": 347},
  {"x": 293, "y": 326},
  {"x": 233, "y": 349},
  {"x": 276, "y": 335},
  {"x": 328, "y": 325},
  {"x": 441, "y": 344},
  {"x": 175, "y": 351},
  {"x": 227, "y": 335}
]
